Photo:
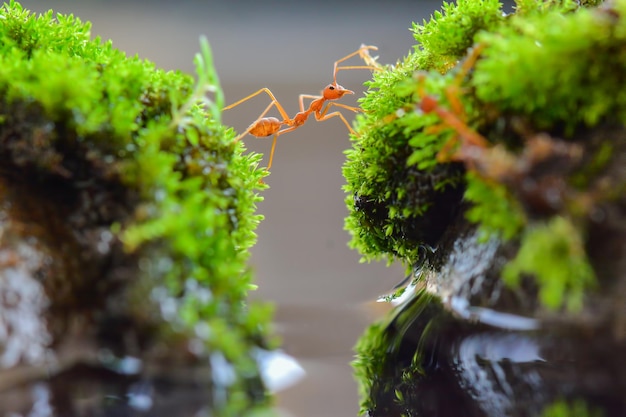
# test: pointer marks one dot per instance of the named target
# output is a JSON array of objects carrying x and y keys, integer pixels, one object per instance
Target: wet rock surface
[
  {"x": 477, "y": 347},
  {"x": 79, "y": 334}
]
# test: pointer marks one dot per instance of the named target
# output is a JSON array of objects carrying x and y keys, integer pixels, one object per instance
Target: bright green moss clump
[
  {"x": 77, "y": 114},
  {"x": 400, "y": 195},
  {"x": 534, "y": 85},
  {"x": 570, "y": 408},
  {"x": 554, "y": 254},
  {"x": 575, "y": 51},
  {"x": 448, "y": 34}
]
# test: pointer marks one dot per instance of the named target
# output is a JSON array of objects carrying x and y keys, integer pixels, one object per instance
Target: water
[{"x": 472, "y": 349}]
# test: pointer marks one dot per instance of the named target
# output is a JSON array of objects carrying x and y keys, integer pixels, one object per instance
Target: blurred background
[{"x": 301, "y": 260}]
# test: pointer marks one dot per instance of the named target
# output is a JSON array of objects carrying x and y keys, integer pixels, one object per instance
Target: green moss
[
  {"x": 376, "y": 366},
  {"x": 527, "y": 7},
  {"x": 570, "y": 408},
  {"x": 100, "y": 116},
  {"x": 552, "y": 67},
  {"x": 601, "y": 157},
  {"x": 551, "y": 56},
  {"x": 400, "y": 196},
  {"x": 449, "y": 32},
  {"x": 493, "y": 208},
  {"x": 553, "y": 253},
  {"x": 371, "y": 355},
  {"x": 390, "y": 172}
]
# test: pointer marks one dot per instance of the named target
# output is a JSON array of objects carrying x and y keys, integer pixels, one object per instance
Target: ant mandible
[{"x": 267, "y": 126}]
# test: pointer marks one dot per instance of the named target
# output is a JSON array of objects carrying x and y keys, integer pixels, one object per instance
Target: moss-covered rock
[
  {"x": 552, "y": 146},
  {"x": 490, "y": 162},
  {"x": 127, "y": 214}
]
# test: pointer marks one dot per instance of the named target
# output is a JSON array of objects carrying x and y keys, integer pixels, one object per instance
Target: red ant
[
  {"x": 454, "y": 119},
  {"x": 267, "y": 126},
  {"x": 534, "y": 175}
]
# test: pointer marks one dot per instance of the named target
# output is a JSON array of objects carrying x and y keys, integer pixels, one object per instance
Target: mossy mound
[
  {"x": 506, "y": 131},
  {"x": 122, "y": 178},
  {"x": 544, "y": 93}
]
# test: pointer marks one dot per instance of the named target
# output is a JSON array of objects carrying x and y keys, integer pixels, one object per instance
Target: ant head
[
  {"x": 428, "y": 104},
  {"x": 334, "y": 91}
]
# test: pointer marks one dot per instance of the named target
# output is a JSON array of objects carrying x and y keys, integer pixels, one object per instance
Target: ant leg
[
  {"x": 345, "y": 106},
  {"x": 274, "y": 102},
  {"x": 269, "y": 164},
  {"x": 369, "y": 67},
  {"x": 452, "y": 94},
  {"x": 321, "y": 116},
  {"x": 469, "y": 63},
  {"x": 289, "y": 129},
  {"x": 280, "y": 108},
  {"x": 343, "y": 119},
  {"x": 253, "y": 124},
  {"x": 454, "y": 119},
  {"x": 363, "y": 52},
  {"x": 457, "y": 122},
  {"x": 453, "y": 91}
]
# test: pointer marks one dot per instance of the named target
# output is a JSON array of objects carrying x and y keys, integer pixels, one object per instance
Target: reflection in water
[
  {"x": 481, "y": 363},
  {"x": 483, "y": 350},
  {"x": 440, "y": 365},
  {"x": 498, "y": 347},
  {"x": 119, "y": 389},
  {"x": 461, "y": 307},
  {"x": 92, "y": 391}
]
